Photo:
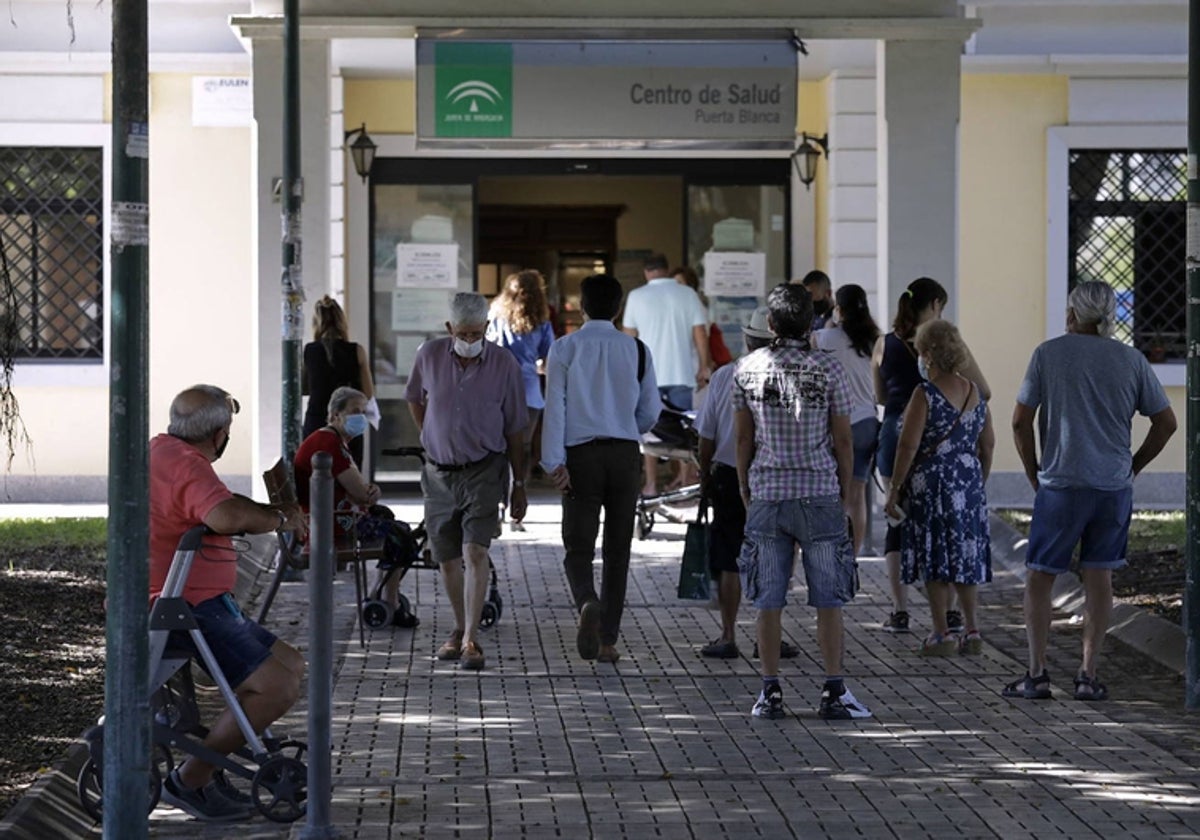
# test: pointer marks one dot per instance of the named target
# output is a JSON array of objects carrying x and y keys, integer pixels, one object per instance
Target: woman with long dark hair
[
  {"x": 331, "y": 361},
  {"x": 852, "y": 341},
  {"x": 520, "y": 322},
  {"x": 894, "y": 362}
]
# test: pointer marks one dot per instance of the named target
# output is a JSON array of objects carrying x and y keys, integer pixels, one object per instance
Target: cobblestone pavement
[{"x": 542, "y": 744}]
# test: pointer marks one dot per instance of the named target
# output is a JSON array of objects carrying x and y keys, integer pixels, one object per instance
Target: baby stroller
[
  {"x": 673, "y": 438},
  {"x": 274, "y": 767},
  {"x": 413, "y": 553}
]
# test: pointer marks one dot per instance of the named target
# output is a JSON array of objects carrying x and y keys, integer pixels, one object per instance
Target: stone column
[{"x": 919, "y": 101}]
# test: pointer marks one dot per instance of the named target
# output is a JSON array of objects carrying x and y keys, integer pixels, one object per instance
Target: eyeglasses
[{"x": 234, "y": 405}]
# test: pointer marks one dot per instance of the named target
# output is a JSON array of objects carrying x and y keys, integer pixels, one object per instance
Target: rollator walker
[{"x": 673, "y": 438}]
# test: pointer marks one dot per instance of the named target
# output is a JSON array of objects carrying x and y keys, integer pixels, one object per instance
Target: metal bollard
[{"x": 320, "y": 650}]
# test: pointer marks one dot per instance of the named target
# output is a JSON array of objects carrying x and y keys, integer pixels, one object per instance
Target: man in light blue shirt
[{"x": 601, "y": 397}]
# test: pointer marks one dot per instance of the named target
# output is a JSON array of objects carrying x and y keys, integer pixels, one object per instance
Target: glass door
[{"x": 423, "y": 241}]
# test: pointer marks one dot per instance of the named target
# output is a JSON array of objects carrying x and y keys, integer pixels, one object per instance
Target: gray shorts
[{"x": 463, "y": 506}]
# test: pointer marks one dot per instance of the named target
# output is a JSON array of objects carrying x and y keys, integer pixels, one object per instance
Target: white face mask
[
  {"x": 468, "y": 349},
  {"x": 922, "y": 367}
]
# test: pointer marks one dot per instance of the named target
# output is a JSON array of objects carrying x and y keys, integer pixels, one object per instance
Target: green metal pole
[
  {"x": 293, "y": 194},
  {"x": 126, "y": 691},
  {"x": 1192, "y": 592}
]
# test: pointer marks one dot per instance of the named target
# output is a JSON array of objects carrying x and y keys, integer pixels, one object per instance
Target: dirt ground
[{"x": 52, "y": 654}]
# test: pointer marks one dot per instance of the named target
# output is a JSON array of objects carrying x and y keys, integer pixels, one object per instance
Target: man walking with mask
[{"x": 467, "y": 398}]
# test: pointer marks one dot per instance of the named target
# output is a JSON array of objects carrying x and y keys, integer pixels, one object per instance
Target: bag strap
[
  {"x": 933, "y": 449},
  {"x": 641, "y": 348}
]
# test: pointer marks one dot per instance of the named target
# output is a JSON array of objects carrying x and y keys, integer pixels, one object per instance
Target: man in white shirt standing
[
  {"x": 669, "y": 317},
  {"x": 601, "y": 397}
]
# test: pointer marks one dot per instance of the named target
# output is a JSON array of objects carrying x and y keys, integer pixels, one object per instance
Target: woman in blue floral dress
[{"x": 942, "y": 462}]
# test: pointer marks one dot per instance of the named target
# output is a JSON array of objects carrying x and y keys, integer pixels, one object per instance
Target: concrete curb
[{"x": 1150, "y": 635}]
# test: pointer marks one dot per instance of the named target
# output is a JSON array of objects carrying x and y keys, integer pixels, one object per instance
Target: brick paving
[{"x": 541, "y": 744}]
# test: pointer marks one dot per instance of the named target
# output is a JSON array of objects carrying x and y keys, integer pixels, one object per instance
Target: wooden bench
[{"x": 348, "y": 550}]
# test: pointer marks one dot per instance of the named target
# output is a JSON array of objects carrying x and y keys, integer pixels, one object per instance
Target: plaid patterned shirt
[{"x": 791, "y": 392}]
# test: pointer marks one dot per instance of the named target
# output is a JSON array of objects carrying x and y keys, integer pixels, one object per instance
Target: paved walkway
[{"x": 541, "y": 744}]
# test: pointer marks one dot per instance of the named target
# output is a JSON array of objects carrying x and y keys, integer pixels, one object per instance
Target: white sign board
[
  {"x": 222, "y": 102},
  {"x": 427, "y": 266},
  {"x": 420, "y": 310},
  {"x": 735, "y": 274}
]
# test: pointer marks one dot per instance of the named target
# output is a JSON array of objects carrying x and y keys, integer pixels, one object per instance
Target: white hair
[
  {"x": 468, "y": 308},
  {"x": 341, "y": 398},
  {"x": 200, "y": 412},
  {"x": 1093, "y": 302}
]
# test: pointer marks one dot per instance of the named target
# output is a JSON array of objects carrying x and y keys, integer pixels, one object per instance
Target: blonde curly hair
[{"x": 943, "y": 343}]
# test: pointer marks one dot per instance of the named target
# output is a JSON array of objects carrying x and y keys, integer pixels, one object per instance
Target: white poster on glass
[
  {"x": 427, "y": 266},
  {"x": 420, "y": 310},
  {"x": 735, "y": 274}
]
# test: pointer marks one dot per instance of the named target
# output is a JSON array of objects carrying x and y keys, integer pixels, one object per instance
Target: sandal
[
  {"x": 970, "y": 643},
  {"x": 1089, "y": 688},
  {"x": 939, "y": 645},
  {"x": 1029, "y": 688},
  {"x": 452, "y": 649}
]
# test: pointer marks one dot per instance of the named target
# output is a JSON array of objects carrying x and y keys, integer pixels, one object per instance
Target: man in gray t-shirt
[{"x": 1083, "y": 389}]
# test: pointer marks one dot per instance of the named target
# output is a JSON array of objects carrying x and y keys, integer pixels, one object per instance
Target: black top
[
  {"x": 899, "y": 373},
  {"x": 324, "y": 378}
]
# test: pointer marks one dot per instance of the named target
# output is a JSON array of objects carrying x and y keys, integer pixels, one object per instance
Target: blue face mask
[
  {"x": 923, "y": 367},
  {"x": 355, "y": 424}
]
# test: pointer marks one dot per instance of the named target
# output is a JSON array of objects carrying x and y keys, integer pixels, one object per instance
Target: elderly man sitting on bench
[{"x": 264, "y": 671}]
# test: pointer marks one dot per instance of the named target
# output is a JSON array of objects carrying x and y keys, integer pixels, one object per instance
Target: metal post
[
  {"x": 1192, "y": 592},
  {"x": 293, "y": 195},
  {"x": 126, "y": 691},
  {"x": 320, "y": 650}
]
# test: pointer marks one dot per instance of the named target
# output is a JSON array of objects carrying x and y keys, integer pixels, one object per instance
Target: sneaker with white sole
[
  {"x": 843, "y": 707},
  {"x": 769, "y": 703},
  {"x": 897, "y": 622}
]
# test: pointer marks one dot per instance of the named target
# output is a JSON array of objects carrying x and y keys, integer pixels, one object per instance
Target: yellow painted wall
[
  {"x": 1002, "y": 257},
  {"x": 387, "y": 106},
  {"x": 813, "y": 117}
]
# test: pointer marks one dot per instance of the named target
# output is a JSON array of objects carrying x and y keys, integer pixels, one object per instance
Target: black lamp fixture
[
  {"x": 807, "y": 154},
  {"x": 362, "y": 150}
]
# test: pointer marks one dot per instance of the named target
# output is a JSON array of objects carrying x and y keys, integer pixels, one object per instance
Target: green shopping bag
[{"x": 694, "y": 576}]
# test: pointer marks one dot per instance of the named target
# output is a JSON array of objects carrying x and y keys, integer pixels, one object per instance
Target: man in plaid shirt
[{"x": 795, "y": 460}]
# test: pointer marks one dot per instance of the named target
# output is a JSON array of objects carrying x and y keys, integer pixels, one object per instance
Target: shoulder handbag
[
  {"x": 902, "y": 498},
  {"x": 693, "y": 571}
]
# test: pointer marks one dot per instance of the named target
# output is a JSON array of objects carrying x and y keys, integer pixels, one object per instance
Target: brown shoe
[
  {"x": 452, "y": 649},
  {"x": 472, "y": 657},
  {"x": 608, "y": 653},
  {"x": 588, "y": 638}
]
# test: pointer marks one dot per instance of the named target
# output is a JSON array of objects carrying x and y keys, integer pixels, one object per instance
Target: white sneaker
[{"x": 845, "y": 707}]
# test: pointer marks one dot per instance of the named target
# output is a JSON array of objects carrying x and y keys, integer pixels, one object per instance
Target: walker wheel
[
  {"x": 89, "y": 784},
  {"x": 405, "y": 607},
  {"x": 376, "y": 614},
  {"x": 279, "y": 789},
  {"x": 491, "y": 614},
  {"x": 645, "y": 524}
]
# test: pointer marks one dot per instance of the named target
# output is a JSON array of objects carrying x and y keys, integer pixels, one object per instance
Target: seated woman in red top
[{"x": 353, "y": 495}]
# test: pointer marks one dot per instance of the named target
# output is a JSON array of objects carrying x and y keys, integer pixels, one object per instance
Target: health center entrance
[{"x": 443, "y": 225}]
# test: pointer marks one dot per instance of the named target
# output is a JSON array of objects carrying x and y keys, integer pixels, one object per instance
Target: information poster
[
  {"x": 735, "y": 274},
  {"x": 420, "y": 310},
  {"x": 432, "y": 266}
]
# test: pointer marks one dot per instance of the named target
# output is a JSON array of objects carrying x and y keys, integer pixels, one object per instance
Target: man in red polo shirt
[{"x": 264, "y": 671}]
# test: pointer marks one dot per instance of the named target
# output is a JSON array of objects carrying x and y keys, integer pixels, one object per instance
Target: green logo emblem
[{"x": 473, "y": 89}]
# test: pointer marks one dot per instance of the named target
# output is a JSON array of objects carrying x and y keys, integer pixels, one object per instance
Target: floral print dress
[{"x": 945, "y": 536}]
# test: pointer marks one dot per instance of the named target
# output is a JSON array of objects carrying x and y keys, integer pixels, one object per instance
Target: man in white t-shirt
[{"x": 670, "y": 319}]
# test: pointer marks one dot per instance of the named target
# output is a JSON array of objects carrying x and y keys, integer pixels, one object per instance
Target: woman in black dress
[{"x": 331, "y": 360}]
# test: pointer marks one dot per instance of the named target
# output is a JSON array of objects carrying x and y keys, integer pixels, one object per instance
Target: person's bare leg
[
  {"x": 650, "y": 478},
  {"x": 452, "y": 577},
  {"x": 968, "y": 600},
  {"x": 729, "y": 596},
  {"x": 829, "y": 639},
  {"x": 939, "y": 596},
  {"x": 858, "y": 512},
  {"x": 1097, "y": 612},
  {"x": 476, "y": 588},
  {"x": 1037, "y": 618},
  {"x": 770, "y": 633},
  {"x": 265, "y": 696}
]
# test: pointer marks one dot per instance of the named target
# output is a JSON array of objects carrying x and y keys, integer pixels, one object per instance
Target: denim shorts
[
  {"x": 1097, "y": 520},
  {"x": 768, "y": 554},
  {"x": 239, "y": 645},
  {"x": 889, "y": 434},
  {"x": 866, "y": 436}
]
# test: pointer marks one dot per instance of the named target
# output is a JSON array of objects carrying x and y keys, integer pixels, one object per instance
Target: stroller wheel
[
  {"x": 376, "y": 614},
  {"x": 491, "y": 614},
  {"x": 279, "y": 789}
]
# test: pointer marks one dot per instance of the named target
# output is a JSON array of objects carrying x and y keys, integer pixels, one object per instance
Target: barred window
[
  {"x": 1128, "y": 227},
  {"x": 51, "y": 230}
]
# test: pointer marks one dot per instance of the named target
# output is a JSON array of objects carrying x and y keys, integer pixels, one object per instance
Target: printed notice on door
[
  {"x": 426, "y": 266},
  {"x": 735, "y": 274}
]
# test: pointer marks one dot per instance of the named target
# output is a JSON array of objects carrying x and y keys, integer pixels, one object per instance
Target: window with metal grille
[
  {"x": 51, "y": 230},
  {"x": 1128, "y": 227}
]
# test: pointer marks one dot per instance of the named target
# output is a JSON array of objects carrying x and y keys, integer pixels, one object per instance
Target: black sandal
[
  {"x": 1029, "y": 687},
  {"x": 1089, "y": 688}
]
